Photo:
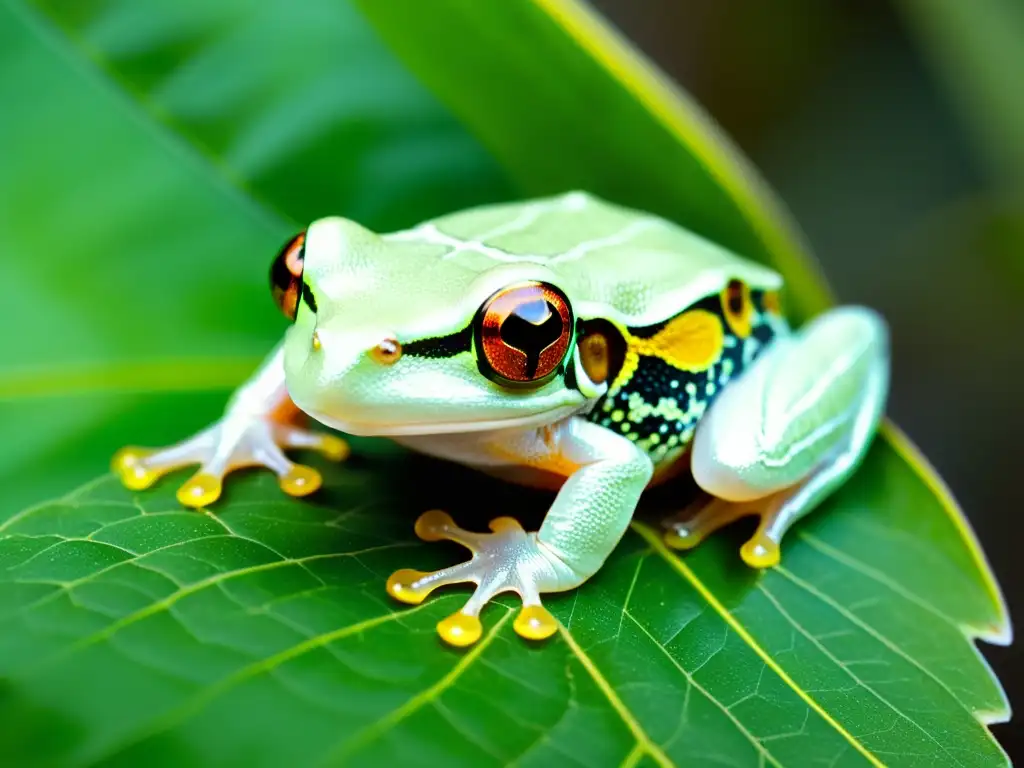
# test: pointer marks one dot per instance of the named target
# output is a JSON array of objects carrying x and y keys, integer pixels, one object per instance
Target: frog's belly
[
  {"x": 501, "y": 457},
  {"x": 510, "y": 456},
  {"x": 551, "y": 479}
]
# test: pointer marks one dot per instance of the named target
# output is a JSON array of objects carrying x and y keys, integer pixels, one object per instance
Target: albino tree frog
[{"x": 562, "y": 342}]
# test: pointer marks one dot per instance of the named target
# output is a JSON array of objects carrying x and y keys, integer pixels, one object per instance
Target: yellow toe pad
[
  {"x": 760, "y": 552},
  {"x": 460, "y": 629},
  {"x": 200, "y": 491},
  {"x": 300, "y": 481},
  {"x": 535, "y": 623},
  {"x": 401, "y": 586},
  {"x": 127, "y": 464}
]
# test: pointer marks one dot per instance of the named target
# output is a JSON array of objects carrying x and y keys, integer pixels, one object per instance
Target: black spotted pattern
[{"x": 659, "y": 406}]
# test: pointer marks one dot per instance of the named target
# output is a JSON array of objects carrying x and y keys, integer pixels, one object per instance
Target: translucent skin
[{"x": 382, "y": 345}]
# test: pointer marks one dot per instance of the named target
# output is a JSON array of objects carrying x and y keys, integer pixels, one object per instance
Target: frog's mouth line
[{"x": 367, "y": 429}]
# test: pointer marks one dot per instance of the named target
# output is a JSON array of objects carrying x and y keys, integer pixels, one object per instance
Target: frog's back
[
  {"x": 635, "y": 267},
  {"x": 683, "y": 315}
]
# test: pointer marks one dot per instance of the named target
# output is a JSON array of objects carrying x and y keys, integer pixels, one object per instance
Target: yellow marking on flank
[
  {"x": 1002, "y": 633},
  {"x": 681, "y": 117},
  {"x": 687, "y": 573},
  {"x": 643, "y": 740},
  {"x": 690, "y": 342}
]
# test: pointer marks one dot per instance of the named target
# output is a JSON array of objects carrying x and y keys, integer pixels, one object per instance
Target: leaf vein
[
  {"x": 845, "y": 667},
  {"x": 196, "y": 703},
  {"x": 686, "y": 573},
  {"x": 618, "y": 705},
  {"x": 375, "y": 730},
  {"x": 690, "y": 678}
]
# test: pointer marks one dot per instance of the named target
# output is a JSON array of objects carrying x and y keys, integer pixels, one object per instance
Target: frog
[{"x": 567, "y": 343}]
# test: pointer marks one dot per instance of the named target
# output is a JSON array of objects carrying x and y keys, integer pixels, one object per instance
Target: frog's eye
[
  {"x": 523, "y": 333},
  {"x": 286, "y": 283}
]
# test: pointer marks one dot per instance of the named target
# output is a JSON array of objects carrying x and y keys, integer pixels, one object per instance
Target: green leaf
[
  {"x": 578, "y": 107},
  {"x": 162, "y": 156},
  {"x": 977, "y": 50}
]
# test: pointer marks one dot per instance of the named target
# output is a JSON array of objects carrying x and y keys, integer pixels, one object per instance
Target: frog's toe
[
  {"x": 330, "y": 446},
  {"x": 507, "y": 560},
  {"x": 139, "y": 468},
  {"x": 201, "y": 490},
  {"x": 221, "y": 450},
  {"x": 698, "y": 521}
]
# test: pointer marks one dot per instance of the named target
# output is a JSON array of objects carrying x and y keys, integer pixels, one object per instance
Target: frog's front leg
[
  {"x": 606, "y": 475},
  {"x": 789, "y": 431},
  {"x": 256, "y": 426}
]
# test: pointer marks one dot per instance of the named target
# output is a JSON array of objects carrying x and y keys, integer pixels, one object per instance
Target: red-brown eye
[
  {"x": 286, "y": 276},
  {"x": 523, "y": 333}
]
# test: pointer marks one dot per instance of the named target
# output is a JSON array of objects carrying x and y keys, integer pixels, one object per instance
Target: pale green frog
[{"x": 563, "y": 342}]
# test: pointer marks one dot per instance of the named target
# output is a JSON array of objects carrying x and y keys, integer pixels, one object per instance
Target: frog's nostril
[{"x": 387, "y": 351}]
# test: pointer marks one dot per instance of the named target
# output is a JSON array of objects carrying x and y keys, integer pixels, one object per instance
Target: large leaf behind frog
[{"x": 163, "y": 154}]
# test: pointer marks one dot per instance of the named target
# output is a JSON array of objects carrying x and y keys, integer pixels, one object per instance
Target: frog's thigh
[
  {"x": 606, "y": 476},
  {"x": 791, "y": 429}
]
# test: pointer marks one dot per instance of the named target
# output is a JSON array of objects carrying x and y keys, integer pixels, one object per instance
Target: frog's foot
[
  {"x": 706, "y": 515},
  {"x": 789, "y": 431},
  {"x": 224, "y": 447},
  {"x": 507, "y": 560}
]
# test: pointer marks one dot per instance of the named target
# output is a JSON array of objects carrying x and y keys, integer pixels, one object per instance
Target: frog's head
[{"x": 390, "y": 337}]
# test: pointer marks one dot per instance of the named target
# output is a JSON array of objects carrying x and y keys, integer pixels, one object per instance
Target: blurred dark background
[{"x": 863, "y": 130}]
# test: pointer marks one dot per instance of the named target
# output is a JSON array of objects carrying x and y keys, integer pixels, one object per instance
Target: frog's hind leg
[{"x": 788, "y": 432}]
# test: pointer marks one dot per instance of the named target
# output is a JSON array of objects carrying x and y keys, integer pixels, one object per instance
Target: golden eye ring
[
  {"x": 737, "y": 307},
  {"x": 523, "y": 333}
]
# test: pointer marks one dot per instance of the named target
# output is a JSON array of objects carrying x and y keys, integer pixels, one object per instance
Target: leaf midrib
[
  {"x": 708, "y": 596},
  {"x": 846, "y": 670},
  {"x": 763, "y": 752}
]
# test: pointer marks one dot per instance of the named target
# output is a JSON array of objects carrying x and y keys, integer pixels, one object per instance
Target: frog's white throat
[{"x": 379, "y": 429}]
